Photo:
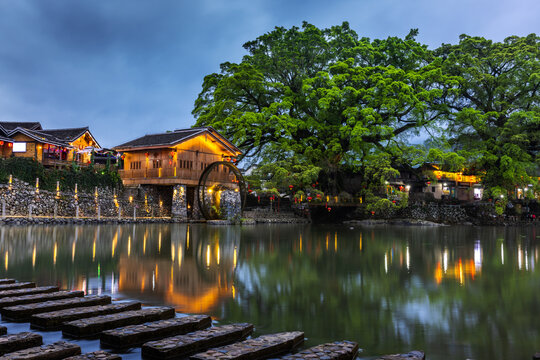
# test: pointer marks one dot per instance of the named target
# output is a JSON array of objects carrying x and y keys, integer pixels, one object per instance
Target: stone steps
[
  {"x": 21, "y": 313},
  {"x": 54, "y": 319},
  {"x": 37, "y": 298},
  {"x": 91, "y": 327},
  {"x": 178, "y": 347},
  {"x": 263, "y": 347},
  {"x": 7, "y": 281},
  {"x": 413, "y": 355},
  {"x": 29, "y": 291},
  {"x": 96, "y": 355},
  {"x": 56, "y": 351},
  {"x": 17, "y": 285},
  {"x": 136, "y": 335},
  {"x": 339, "y": 350},
  {"x": 19, "y": 341}
]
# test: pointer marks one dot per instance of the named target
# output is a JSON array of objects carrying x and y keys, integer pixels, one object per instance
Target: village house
[
  {"x": 51, "y": 147},
  {"x": 173, "y": 161}
]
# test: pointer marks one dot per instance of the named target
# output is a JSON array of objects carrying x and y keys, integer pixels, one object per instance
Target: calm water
[{"x": 455, "y": 292}]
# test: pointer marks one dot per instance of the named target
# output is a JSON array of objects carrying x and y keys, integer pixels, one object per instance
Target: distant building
[{"x": 51, "y": 147}]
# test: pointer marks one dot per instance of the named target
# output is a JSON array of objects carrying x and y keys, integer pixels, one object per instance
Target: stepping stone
[
  {"x": 7, "y": 281},
  {"x": 136, "y": 335},
  {"x": 263, "y": 347},
  {"x": 339, "y": 350},
  {"x": 36, "y": 298},
  {"x": 177, "y": 347},
  {"x": 93, "y": 326},
  {"x": 29, "y": 291},
  {"x": 413, "y": 355},
  {"x": 54, "y": 319},
  {"x": 96, "y": 355},
  {"x": 23, "y": 312},
  {"x": 23, "y": 340},
  {"x": 58, "y": 350},
  {"x": 21, "y": 285}
]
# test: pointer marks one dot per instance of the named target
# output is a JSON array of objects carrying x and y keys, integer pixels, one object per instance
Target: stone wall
[{"x": 20, "y": 197}]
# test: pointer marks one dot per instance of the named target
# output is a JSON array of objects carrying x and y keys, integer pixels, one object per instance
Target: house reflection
[{"x": 196, "y": 276}]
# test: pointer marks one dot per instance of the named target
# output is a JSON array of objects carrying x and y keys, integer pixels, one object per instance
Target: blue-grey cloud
[{"x": 129, "y": 67}]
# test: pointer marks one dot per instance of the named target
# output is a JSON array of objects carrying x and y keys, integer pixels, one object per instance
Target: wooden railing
[{"x": 171, "y": 173}]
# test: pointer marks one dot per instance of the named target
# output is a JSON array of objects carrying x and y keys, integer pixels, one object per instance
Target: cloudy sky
[{"x": 132, "y": 67}]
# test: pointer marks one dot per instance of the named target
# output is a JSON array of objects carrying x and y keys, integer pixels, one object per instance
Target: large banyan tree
[{"x": 310, "y": 105}]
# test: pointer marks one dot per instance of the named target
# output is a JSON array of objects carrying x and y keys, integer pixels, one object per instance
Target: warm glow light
[
  {"x": 73, "y": 251},
  {"x": 34, "y": 256},
  {"x": 144, "y": 244},
  {"x": 159, "y": 243},
  {"x": 234, "y": 257},
  {"x": 210, "y": 191},
  {"x": 218, "y": 254},
  {"x": 407, "y": 258},
  {"x": 386, "y": 263},
  {"x": 300, "y": 242},
  {"x": 173, "y": 252},
  {"x": 207, "y": 255},
  {"x": 129, "y": 246},
  {"x": 335, "y": 242},
  {"x": 179, "y": 256},
  {"x": 360, "y": 242},
  {"x": 6, "y": 260},
  {"x": 55, "y": 252},
  {"x": 94, "y": 251}
]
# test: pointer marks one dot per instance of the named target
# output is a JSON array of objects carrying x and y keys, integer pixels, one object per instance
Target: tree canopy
[{"x": 310, "y": 105}]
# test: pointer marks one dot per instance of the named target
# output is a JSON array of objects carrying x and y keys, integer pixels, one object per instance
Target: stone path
[
  {"x": 54, "y": 319},
  {"x": 19, "y": 285},
  {"x": 413, "y": 355},
  {"x": 136, "y": 335},
  {"x": 29, "y": 291},
  {"x": 93, "y": 326},
  {"x": 36, "y": 298},
  {"x": 339, "y": 350},
  {"x": 96, "y": 355},
  {"x": 23, "y": 312},
  {"x": 7, "y": 281},
  {"x": 263, "y": 347},
  {"x": 177, "y": 347},
  {"x": 57, "y": 350},
  {"x": 23, "y": 340}
]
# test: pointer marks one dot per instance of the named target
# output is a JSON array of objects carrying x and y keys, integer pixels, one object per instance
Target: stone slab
[
  {"x": 136, "y": 335},
  {"x": 7, "y": 281},
  {"x": 20, "y": 341},
  {"x": 29, "y": 291},
  {"x": 181, "y": 346},
  {"x": 24, "y": 312},
  {"x": 339, "y": 350},
  {"x": 96, "y": 355},
  {"x": 17, "y": 285},
  {"x": 91, "y": 327},
  {"x": 37, "y": 298},
  {"x": 54, "y": 319},
  {"x": 263, "y": 347},
  {"x": 413, "y": 355},
  {"x": 56, "y": 351}
]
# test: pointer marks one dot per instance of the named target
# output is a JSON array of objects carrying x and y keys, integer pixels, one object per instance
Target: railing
[{"x": 171, "y": 173}]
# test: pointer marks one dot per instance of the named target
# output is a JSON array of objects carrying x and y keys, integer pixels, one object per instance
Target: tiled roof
[
  {"x": 41, "y": 137},
  {"x": 68, "y": 135},
  {"x": 173, "y": 138},
  {"x": 6, "y": 127}
]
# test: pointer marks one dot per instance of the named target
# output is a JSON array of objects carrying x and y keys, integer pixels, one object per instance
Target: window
[
  {"x": 156, "y": 164},
  {"x": 135, "y": 165},
  {"x": 19, "y": 147}
]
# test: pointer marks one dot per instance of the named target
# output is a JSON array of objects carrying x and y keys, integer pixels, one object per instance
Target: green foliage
[
  {"x": 495, "y": 112},
  {"x": 86, "y": 178}
]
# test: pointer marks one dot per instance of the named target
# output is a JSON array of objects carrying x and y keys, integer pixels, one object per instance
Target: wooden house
[
  {"x": 52, "y": 147},
  {"x": 176, "y": 157}
]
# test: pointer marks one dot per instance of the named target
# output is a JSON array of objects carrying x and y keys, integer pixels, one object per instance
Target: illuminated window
[{"x": 19, "y": 147}]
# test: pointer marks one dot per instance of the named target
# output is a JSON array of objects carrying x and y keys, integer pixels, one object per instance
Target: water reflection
[{"x": 455, "y": 292}]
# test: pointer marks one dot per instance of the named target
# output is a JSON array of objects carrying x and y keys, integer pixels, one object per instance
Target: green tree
[
  {"x": 311, "y": 104},
  {"x": 495, "y": 115}
]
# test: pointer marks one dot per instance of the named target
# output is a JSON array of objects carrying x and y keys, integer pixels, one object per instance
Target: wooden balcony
[{"x": 170, "y": 176}]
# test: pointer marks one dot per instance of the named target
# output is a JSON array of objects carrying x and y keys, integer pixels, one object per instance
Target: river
[{"x": 454, "y": 292}]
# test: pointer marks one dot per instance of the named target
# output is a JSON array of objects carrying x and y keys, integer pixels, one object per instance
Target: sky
[{"x": 132, "y": 67}]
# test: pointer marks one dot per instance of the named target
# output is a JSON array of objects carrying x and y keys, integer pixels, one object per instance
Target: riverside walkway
[{"x": 157, "y": 330}]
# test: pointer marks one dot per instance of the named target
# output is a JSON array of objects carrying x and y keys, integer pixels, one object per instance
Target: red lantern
[
  {"x": 329, "y": 209},
  {"x": 146, "y": 154},
  {"x": 259, "y": 198},
  {"x": 319, "y": 196},
  {"x": 290, "y": 187},
  {"x": 1, "y": 143},
  {"x": 393, "y": 201},
  {"x": 309, "y": 198},
  {"x": 372, "y": 213},
  {"x": 10, "y": 144}
]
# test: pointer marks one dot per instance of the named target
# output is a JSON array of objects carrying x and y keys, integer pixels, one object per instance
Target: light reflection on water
[{"x": 455, "y": 292}]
